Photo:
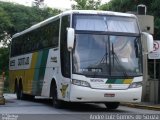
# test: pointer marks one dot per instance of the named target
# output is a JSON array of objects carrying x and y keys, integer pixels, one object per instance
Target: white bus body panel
[
  {"x": 85, "y": 94},
  {"x": 51, "y": 70},
  {"x": 98, "y": 89}
]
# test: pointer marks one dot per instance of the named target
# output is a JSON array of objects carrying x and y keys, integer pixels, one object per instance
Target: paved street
[{"x": 42, "y": 108}]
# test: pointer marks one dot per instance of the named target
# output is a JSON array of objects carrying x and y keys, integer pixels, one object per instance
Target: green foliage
[
  {"x": 128, "y": 5},
  {"x": 15, "y": 18},
  {"x": 4, "y": 53},
  {"x": 119, "y": 5},
  {"x": 86, "y": 4},
  {"x": 131, "y": 5},
  {"x": 4, "y": 60}
]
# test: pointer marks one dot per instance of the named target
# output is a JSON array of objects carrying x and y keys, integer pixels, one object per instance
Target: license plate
[{"x": 109, "y": 95}]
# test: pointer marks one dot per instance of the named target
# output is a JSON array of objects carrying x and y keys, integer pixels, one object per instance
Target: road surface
[{"x": 41, "y": 109}]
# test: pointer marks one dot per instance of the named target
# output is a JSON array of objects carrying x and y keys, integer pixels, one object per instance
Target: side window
[
  {"x": 16, "y": 47},
  {"x": 13, "y": 47},
  {"x": 40, "y": 38},
  {"x": 50, "y": 35},
  {"x": 65, "y": 55},
  {"x": 54, "y": 29}
]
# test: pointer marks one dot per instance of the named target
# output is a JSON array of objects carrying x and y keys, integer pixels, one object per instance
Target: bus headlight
[
  {"x": 80, "y": 83},
  {"x": 135, "y": 85}
]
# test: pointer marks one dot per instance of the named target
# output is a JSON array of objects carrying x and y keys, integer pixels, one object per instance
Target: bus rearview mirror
[
  {"x": 70, "y": 38},
  {"x": 147, "y": 40}
]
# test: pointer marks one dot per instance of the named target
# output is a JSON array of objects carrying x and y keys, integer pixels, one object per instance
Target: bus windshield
[
  {"x": 107, "y": 55},
  {"x": 106, "y": 46},
  {"x": 105, "y": 23}
]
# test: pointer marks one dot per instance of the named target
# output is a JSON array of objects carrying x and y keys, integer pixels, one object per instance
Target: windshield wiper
[{"x": 118, "y": 61}]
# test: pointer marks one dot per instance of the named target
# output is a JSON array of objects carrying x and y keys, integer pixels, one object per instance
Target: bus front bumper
[{"x": 86, "y": 94}]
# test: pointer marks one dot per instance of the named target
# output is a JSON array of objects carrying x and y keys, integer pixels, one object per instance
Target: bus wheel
[
  {"x": 18, "y": 92},
  {"x": 30, "y": 97},
  {"x": 112, "y": 105},
  {"x": 55, "y": 101}
]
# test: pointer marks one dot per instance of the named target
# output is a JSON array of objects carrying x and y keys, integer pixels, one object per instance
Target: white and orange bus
[{"x": 80, "y": 56}]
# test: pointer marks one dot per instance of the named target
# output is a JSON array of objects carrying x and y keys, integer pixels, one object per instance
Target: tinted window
[
  {"x": 43, "y": 37},
  {"x": 105, "y": 23},
  {"x": 65, "y": 55}
]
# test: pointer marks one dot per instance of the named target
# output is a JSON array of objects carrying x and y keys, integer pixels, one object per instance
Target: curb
[{"x": 148, "y": 107}]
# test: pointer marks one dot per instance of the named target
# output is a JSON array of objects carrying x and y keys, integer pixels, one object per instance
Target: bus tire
[
  {"x": 30, "y": 97},
  {"x": 112, "y": 105},
  {"x": 18, "y": 92},
  {"x": 56, "y": 103},
  {"x": 15, "y": 86}
]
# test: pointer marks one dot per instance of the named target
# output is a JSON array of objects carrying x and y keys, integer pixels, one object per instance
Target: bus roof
[
  {"x": 99, "y": 12},
  {"x": 72, "y": 12}
]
